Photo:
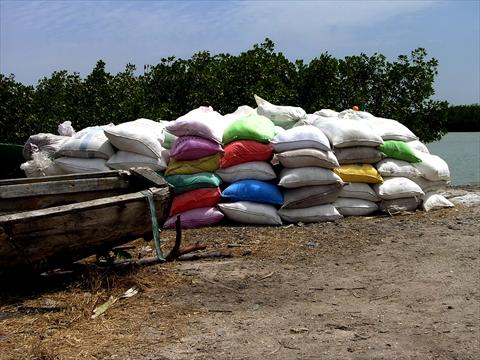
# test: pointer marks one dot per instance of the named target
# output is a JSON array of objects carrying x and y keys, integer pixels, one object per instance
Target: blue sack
[{"x": 253, "y": 190}]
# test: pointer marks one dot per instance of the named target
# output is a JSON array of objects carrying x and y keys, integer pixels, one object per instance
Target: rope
[{"x": 155, "y": 230}]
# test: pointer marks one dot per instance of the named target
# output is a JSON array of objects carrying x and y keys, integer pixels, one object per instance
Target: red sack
[
  {"x": 242, "y": 151},
  {"x": 198, "y": 198}
]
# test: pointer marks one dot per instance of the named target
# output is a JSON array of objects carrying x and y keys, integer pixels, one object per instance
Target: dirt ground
[{"x": 383, "y": 287}]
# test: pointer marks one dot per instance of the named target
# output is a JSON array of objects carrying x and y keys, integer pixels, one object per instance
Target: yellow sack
[
  {"x": 204, "y": 164},
  {"x": 359, "y": 173}
]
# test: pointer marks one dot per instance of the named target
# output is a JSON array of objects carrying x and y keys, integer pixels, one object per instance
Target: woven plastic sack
[
  {"x": 195, "y": 218},
  {"x": 193, "y": 147},
  {"x": 252, "y": 127},
  {"x": 307, "y": 176},
  {"x": 88, "y": 143},
  {"x": 308, "y": 157},
  {"x": 182, "y": 183},
  {"x": 393, "y": 167},
  {"x": 389, "y": 129},
  {"x": 247, "y": 212},
  {"x": 256, "y": 170},
  {"x": 205, "y": 164},
  {"x": 198, "y": 198},
  {"x": 301, "y": 137},
  {"x": 347, "y": 132},
  {"x": 320, "y": 213},
  {"x": 242, "y": 151},
  {"x": 308, "y": 196},
  {"x": 203, "y": 122},
  {"x": 433, "y": 201},
  {"x": 283, "y": 116},
  {"x": 358, "y": 155},
  {"x": 394, "y": 206},
  {"x": 359, "y": 191},
  {"x": 399, "y": 150},
  {"x": 124, "y": 160},
  {"x": 396, "y": 188},
  {"x": 432, "y": 167},
  {"x": 71, "y": 165},
  {"x": 253, "y": 190},
  {"x": 362, "y": 173},
  {"x": 142, "y": 136},
  {"x": 355, "y": 207}
]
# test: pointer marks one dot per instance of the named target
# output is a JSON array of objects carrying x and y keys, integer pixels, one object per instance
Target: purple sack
[
  {"x": 193, "y": 147},
  {"x": 195, "y": 218}
]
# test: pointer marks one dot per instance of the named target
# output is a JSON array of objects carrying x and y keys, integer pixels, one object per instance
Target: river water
[{"x": 461, "y": 151}]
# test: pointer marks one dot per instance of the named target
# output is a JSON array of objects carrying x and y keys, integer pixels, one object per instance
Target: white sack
[
  {"x": 397, "y": 187},
  {"x": 72, "y": 165},
  {"x": 300, "y": 137},
  {"x": 418, "y": 146},
  {"x": 283, "y": 116},
  {"x": 124, "y": 160},
  {"x": 307, "y": 176},
  {"x": 433, "y": 201},
  {"x": 256, "y": 170},
  {"x": 347, "y": 132},
  {"x": 358, "y": 155},
  {"x": 203, "y": 122},
  {"x": 355, "y": 207},
  {"x": 392, "y": 167},
  {"x": 320, "y": 213},
  {"x": 399, "y": 205},
  {"x": 359, "y": 191},
  {"x": 248, "y": 212},
  {"x": 308, "y": 157},
  {"x": 141, "y": 136},
  {"x": 389, "y": 129},
  {"x": 432, "y": 167},
  {"x": 88, "y": 143}
]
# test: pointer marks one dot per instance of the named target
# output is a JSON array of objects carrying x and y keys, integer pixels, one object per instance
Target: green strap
[{"x": 156, "y": 231}]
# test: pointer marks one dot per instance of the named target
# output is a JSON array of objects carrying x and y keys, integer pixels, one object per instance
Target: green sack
[
  {"x": 183, "y": 183},
  {"x": 252, "y": 127},
  {"x": 399, "y": 150}
]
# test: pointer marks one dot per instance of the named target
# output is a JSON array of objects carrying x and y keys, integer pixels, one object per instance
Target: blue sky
[{"x": 39, "y": 37}]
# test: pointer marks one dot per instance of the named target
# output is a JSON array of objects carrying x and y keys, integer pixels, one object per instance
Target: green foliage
[
  {"x": 463, "y": 118},
  {"x": 169, "y": 89}
]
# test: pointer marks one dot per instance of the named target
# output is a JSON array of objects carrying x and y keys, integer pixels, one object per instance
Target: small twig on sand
[{"x": 267, "y": 276}]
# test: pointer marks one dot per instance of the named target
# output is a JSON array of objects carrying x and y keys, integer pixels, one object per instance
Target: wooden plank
[
  {"x": 62, "y": 187},
  {"x": 49, "y": 238},
  {"x": 100, "y": 174},
  {"x": 9, "y": 206}
]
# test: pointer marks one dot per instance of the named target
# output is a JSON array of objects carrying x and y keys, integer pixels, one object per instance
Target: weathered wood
[
  {"x": 62, "y": 187},
  {"x": 100, "y": 174},
  {"x": 38, "y": 193},
  {"x": 56, "y": 236}
]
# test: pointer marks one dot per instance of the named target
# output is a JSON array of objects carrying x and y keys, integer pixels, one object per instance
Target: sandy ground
[{"x": 383, "y": 287}]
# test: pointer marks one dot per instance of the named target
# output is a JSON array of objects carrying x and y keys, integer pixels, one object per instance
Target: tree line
[{"x": 399, "y": 89}]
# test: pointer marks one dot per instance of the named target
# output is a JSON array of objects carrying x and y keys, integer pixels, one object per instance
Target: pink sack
[
  {"x": 193, "y": 147},
  {"x": 195, "y": 218}
]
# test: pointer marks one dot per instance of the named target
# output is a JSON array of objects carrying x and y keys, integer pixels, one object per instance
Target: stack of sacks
[
  {"x": 421, "y": 174},
  {"x": 86, "y": 151},
  {"x": 250, "y": 197},
  {"x": 310, "y": 185},
  {"x": 355, "y": 147},
  {"x": 410, "y": 159},
  {"x": 139, "y": 144},
  {"x": 283, "y": 116},
  {"x": 194, "y": 157}
]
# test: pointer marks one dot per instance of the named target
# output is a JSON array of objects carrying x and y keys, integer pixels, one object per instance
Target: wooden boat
[{"x": 50, "y": 222}]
